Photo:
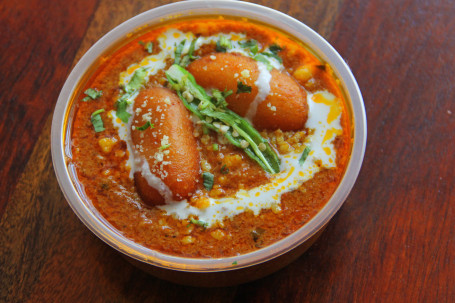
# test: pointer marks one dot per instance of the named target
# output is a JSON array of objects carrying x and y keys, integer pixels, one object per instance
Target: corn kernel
[
  {"x": 276, "y": 208},
  {"x": 202, "y": 202},
  {"x": 232, "y": 160},
  {"x": 205, "y": 165},
  {"x": 107, "y": 144},
  {"x": 218, "y": 234},
  {"x": 188, "y": 230},
  {"x": 222, "y": 180},
  {"x": 284, "y": 147},
  {"x": 303, "y": 73},
  {"x": 187, "y": 240}
]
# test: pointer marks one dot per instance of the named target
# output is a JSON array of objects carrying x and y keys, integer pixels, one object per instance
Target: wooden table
[{"x": 392, "y": 241}]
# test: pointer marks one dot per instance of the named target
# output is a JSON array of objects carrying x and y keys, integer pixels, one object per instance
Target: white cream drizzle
[
  {"x": 292, "y": 174},
  {"x": 321, "y": 119},
  {"x": 263, "y": 85},
  {"x": 136, "y": 162}
]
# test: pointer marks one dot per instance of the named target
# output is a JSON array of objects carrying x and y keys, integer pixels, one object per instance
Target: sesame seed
[
  {"x": 244, "y": 144},
  {"x": 224, "y": 128},
  {"x": 245, "y": 73},
  {"x": 188, "y": 96}
]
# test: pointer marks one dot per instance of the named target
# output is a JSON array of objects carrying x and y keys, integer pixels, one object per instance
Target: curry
[{"x": 209, "y": 138}]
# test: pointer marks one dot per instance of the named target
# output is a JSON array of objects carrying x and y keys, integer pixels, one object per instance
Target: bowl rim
[{"x": 197, "y": 8}]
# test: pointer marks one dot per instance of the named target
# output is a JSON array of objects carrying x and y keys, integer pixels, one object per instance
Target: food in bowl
[{"x": 210, "y": 137}]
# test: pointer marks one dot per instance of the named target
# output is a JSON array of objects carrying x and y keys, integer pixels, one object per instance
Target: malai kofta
[{"x": 209, "y": 138}]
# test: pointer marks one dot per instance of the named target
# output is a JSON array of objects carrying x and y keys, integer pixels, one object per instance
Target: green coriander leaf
[
  {"x": 263, "y": 59},
  {"x": 121, "y": 110},
  {"x": 208, "y": 180},
  {"x": 97, "y": 121},
  {"x": 252, "y": 45},
  {"x": 163, "y": 147},
  {"x": 97, "y": 112},
  {"x": 191, "y": 50},
  {"x": 272, "y": 55},
  {"x": 178, "y": 51},
  {"x": 137, "y": 80},
  {"x": 199, "y": 222},
  {"x": 215, "y": 147},
  {"x": 224, "y": 170},
  {"x": 145, "y": 126},
  {"x": 234, "y": 263},
  {"x": 218, "y": 98},
  {"x": 275, "y": 48},
  {"x": 242, "y": 88},
  {"x": 92, "y": 94},
  {"x": 185, "y": 61},
  {"x": 305, "y": 154},
  {"x": 227, "y": 93},
  {"x": 223, "y": 44},
  {"x": 149, "y": 47}
]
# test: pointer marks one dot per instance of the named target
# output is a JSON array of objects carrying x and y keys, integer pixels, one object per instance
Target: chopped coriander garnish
[
  {"x": 234, "y": 263},
  {"x": 224, "y": 170},
  {"x": 252, "y": 45},
  {"x": 137, "y": 80},
  {"x": 191, "y": 50},
  {"x": 272, "y": 55},
  {"x": 305, "y": 154},
  {"x": 223, "y": 44},
  {"x": 148, "y": 47},
  {"x": 262, "y": 58},
  {"x": 219, "y": 98},
  {"x": 92, "y": 94},
  {"x": 145, "y": 126},
  {"x": 275, "y": 48},
  {"x": 97, "y": 112},
  {"x": 178, "y": 51},
  {"x": 199, "y": 222},
  {"x": 207, "y": 180},
  {"x": 97, "y": 121},
  {"x": 215, "y": 147},
  {"x": 163, "y": 147},
  {"x": 121, "y": 110},
  {"x": 185, "y": 60},
  {"x": 242, "y": 88}
]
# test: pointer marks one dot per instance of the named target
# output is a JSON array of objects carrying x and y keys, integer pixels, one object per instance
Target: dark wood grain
[
  {"x": 392, "y": 241},
  {"x": 37, "y": 46}
]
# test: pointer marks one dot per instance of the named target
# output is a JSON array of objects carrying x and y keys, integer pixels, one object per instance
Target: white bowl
[{"x": 192, "y": 271}]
